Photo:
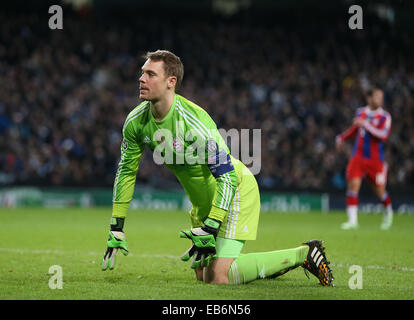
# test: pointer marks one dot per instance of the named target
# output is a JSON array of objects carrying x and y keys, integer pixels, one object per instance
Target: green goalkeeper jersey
[{"x": 188, "y": 143}]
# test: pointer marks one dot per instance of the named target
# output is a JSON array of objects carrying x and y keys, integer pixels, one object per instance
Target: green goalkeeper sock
[{"x": 252, "y": 266}]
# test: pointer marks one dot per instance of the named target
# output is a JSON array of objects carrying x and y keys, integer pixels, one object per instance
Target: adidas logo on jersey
[
  {"x": 245, "y": 229},
  {"x": 147, "y": 140}
]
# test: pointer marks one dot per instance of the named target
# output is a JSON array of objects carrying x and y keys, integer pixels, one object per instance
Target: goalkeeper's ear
[{"x": 172, "y": 82}]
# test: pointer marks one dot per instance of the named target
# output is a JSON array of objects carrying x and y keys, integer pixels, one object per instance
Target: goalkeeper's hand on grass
[
  {"x": 204, "y": 243},
  {"x": 116, "y": 241}
]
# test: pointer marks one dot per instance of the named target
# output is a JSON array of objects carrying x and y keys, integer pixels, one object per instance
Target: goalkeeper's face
[{"x": 154, "y": 84}]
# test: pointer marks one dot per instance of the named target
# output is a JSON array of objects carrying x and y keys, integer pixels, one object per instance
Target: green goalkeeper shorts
[
  {"x": 228, "y": 248},
  {"x": 242, "y": 219}
]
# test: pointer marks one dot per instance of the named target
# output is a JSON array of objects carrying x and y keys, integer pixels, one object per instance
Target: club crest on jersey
[
  {"x": 178, "y": 145},
  {"x": 124, "y": 144}
]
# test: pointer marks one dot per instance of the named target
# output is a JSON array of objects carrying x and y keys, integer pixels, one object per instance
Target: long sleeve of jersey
[
  {"x": 125, "y": 178},
  {"x": 221, "y": 167},
  {"x": 349, "y": 133},
  {"x": 226, "y": 185},
  {"x": 381, "y": 131}
]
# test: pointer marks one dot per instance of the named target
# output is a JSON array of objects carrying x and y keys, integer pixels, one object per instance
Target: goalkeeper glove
[
  {"x": 116, "y": 240},
  {"x": 204, "y": 243}
]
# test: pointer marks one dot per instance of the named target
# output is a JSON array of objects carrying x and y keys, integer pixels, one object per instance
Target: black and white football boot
[{"x": 317, "y": 264}]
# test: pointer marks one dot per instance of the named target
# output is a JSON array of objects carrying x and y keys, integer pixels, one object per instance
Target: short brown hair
[
  {"x": 172, "y": 64},
  {"x": 371, "y": 91}
]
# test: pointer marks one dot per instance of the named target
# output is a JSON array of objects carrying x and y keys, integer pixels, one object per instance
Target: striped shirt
[{"x": 371, "y": 136}]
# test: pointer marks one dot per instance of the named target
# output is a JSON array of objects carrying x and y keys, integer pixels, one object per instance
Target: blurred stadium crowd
[{"x": 64, "y": 95}]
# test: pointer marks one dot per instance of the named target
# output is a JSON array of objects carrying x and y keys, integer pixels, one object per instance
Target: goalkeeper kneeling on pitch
[{"x": 224, "y": 193}]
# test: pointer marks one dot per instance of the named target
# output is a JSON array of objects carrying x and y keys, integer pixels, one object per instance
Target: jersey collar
[
  {"x": 373, "y": 112},
  {"x": 169, "y": 114}
]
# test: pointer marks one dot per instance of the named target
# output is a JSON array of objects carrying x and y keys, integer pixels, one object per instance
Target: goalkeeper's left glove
[
  {"x": 204, "y": 243},
  {"x": 116, "y": 240}
]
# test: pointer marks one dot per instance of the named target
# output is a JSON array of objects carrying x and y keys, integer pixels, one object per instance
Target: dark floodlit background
[{"x": 293, "y": 69}]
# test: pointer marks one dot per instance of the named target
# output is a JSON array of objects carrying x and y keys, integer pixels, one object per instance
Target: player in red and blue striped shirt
[{"x": 371, "y": 128}]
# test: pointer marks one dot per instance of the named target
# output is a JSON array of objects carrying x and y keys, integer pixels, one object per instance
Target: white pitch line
[
  {"x": 60, "y": 252},
  {"x": 340, "y": 265},
  {"x": 147, "y": 255}
]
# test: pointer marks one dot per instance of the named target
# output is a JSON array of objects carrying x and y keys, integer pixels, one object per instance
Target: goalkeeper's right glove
[
  {"x": 116, "y": 240},
  {"x": 204, "y": 243}
]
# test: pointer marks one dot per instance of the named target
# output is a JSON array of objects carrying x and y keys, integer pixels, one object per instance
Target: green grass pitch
[{"x": 75, "y": 239}]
